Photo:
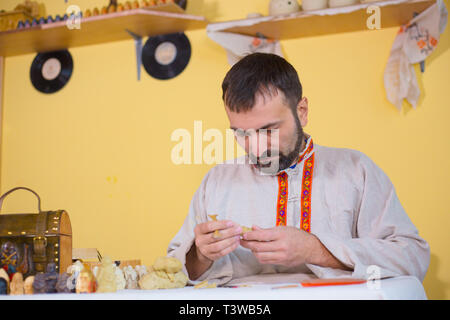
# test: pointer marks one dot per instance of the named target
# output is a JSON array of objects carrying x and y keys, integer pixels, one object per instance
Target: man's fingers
[
  {"x": 219, "y": 246},
  {"x": 259, "y": 234},
  {"x": 211, "y": 226},
  {"x": 260, "y": 246}
]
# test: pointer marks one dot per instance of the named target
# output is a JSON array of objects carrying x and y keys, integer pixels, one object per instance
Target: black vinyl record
[
  {"x": 166, "y": 56},
  {"x": 50, "y": 71}
]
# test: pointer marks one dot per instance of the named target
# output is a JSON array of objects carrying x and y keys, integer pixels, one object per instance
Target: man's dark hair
[{"x": 260, "y": 73}]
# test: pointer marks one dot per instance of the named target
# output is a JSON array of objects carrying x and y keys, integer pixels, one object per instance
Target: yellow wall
[{"x": 100, "y": 148}]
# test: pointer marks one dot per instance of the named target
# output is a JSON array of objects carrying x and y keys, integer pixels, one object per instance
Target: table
[{"x": 400, "y": 288}]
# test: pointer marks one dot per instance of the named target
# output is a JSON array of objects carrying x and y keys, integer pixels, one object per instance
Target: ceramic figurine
[
  {"x": 8, "y": 258},
  {"x": 16, "y": 286},
  {"x": 51, "y": 278},
  {"x": 86, "y": 281},
  {"x": 141, "y": 271},
  {"x": 4, "y": 275},
  {"x": 39, "y": 283},
  {"x": 131, "y": 278},
  {"x": 106, "y": 276},
  {"x": 28, "y": 285},
  {"x": 120, "y": 278},
  {"x": 308, "y": 5},
  {"x": 3, "y": 286},
  {"x": 277, "y": 7},
  {"x": 62, "y": 284},
  {"x": 74, "y": 270}
]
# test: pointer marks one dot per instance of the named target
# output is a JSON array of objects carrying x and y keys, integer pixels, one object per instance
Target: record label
[
  {"x": 165, "y": 53},
  {"x": 50, "y": 71},
  {"x": 166, "y": 56}
]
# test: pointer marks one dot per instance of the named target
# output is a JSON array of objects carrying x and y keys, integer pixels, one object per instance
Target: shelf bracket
[{"x": 138, "y": 47}]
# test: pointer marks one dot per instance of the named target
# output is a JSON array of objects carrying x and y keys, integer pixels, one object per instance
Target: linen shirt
[{"x": 354, "y": 212}]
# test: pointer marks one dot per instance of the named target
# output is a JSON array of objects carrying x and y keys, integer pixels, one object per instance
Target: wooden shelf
[
  {"x": 325, "y": 21},
  {"x": 150, "y": 21}
]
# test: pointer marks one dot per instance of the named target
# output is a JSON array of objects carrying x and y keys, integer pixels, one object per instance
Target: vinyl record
[
  {"x": 50, "y": 71},
  {"x": 166, "y": 56}
]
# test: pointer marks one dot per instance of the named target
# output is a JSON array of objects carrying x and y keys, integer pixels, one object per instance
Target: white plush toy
[{"x": 277, "y": 7}]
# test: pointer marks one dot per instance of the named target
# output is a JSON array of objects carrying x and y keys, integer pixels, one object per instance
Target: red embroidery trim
[
  {"x": 282, "y": 199},
  {"x": 305, "y": 201}
]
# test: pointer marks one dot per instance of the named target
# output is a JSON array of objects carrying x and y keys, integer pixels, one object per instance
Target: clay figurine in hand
[
  {"x": 106, "y": 276},
  {"x": 16, "y": 286},
  {"x": 277, "y": 7}
]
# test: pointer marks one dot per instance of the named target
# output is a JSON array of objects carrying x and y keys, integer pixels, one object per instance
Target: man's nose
[{"x": 258, "y": 144}]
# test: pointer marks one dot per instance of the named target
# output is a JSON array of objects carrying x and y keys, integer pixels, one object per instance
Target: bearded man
[{"x": 314, "y": 211}]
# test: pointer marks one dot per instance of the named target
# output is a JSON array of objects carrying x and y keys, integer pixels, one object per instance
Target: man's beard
[{"x": 284, "y": 160}]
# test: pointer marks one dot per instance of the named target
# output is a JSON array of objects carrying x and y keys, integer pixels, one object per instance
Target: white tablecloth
[{"x": 404, "y": 288}]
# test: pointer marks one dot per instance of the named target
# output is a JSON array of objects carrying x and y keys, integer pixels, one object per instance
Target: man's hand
[
  {"x": 286, "y": 246},
  {"x": 210, "y": 246},
  {"x": 289, "y": 246}
]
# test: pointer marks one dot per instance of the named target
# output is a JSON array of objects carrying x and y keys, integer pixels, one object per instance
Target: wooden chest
[{"x": 28, "y": 242}]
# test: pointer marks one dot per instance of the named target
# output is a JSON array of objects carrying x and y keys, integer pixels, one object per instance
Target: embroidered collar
[{"x": 305, "y": 154}]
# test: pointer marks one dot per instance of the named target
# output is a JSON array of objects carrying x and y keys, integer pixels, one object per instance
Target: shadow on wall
[{"x": 435, "y": 288}]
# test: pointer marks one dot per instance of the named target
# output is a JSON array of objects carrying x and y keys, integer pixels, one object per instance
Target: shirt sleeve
[
  {"x": 387, "y": 243},
  {"x": 221, "y": 270}
]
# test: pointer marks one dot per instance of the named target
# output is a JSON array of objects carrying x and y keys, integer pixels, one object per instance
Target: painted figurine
[
  {"x": 8, "y": 258},
  {"x": 62, "y": 284},
  {"x": 28, "y": 285},
  {"x": 74, "y": 270},
  {"x": 86, "y": 281},
  {"x": 16, "y": 286},
  {"x": 39, "y": 283},
  {"x": 3, "y": 286}
]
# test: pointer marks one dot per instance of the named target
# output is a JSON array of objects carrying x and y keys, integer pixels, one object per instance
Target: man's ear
[{"x": 302, "y": 111}]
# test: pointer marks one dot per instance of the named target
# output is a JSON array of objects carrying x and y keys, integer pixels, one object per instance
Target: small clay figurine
[
  {"x": 39, "y": 283},
  {"x": 141, "y": 271},
  {"x": 131, "y": 278},
  {"x": 74, "y": 270},
  {"x": 120, "y": 278},
  {"x": 4, "y": 275},
  {"x": 106, "y": 277},
  {"x": 16, "y": 286},
  {"x": 51, "y": 278},
  {"x": 3, "y": 286},
  {"x": 8, "y": 258},
  {"x": 28, "y": 285},
  {"x": 62, "y": 284},
  {"x": 86, "y": 281}
]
